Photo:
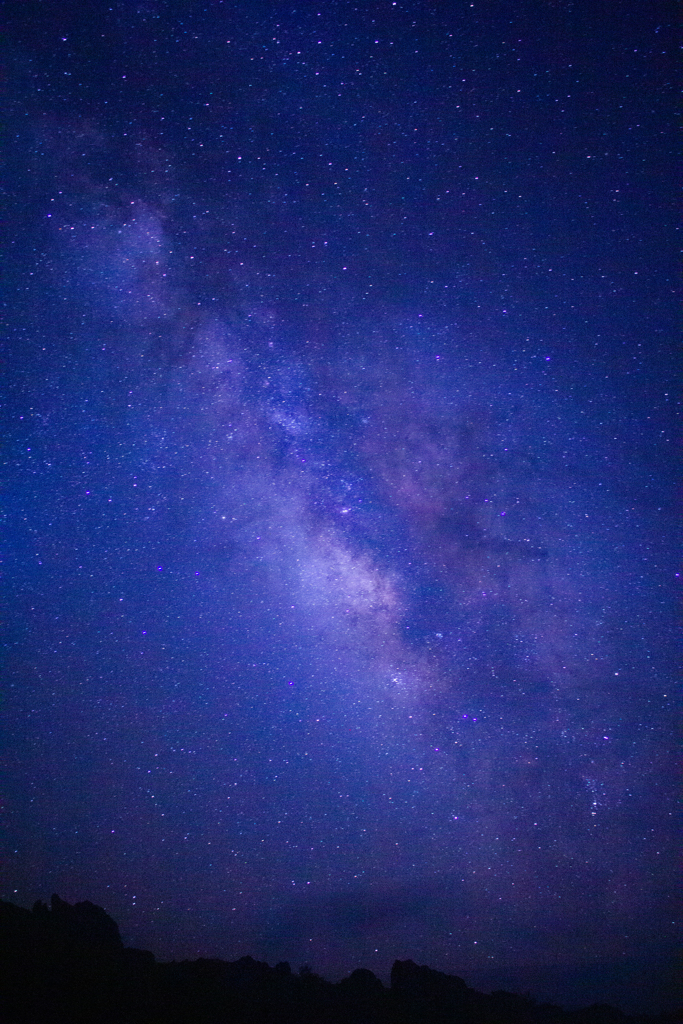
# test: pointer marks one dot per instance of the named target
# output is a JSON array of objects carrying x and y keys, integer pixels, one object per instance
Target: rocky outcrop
[{"x": 66, "y": 964}]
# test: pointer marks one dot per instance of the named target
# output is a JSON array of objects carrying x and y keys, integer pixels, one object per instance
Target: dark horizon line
[{"x": 89, "y": 929}]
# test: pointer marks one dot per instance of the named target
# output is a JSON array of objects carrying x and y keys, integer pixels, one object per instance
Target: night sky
[{"x": 341, "y": 526}]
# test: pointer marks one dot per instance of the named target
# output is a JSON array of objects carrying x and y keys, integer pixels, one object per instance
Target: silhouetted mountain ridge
[{"x": 67, "y": 965}]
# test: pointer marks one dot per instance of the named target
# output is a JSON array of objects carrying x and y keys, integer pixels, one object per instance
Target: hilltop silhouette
[{"x": 67, "y": 964}]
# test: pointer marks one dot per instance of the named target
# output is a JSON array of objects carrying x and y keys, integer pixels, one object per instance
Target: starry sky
[{"x": 341, "y": 534}]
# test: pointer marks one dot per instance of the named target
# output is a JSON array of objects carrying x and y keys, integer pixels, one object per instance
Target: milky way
[{"x": 342, "y": 622}]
